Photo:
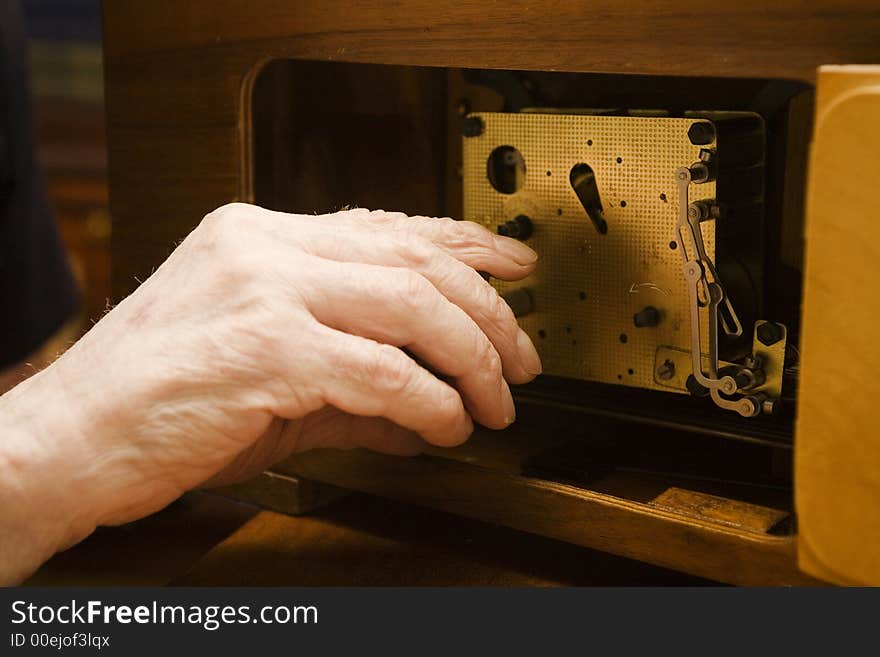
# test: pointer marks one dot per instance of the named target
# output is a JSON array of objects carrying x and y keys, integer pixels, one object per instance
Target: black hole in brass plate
[
  {"x": 583, "y": 182},
  {"x": 506, "y": 169}
]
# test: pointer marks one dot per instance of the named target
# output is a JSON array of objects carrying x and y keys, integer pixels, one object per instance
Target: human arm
[{"x": 262, "y": 334}]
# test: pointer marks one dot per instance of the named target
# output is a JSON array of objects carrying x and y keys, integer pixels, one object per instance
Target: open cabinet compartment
[{"x": 615, "y": 468}]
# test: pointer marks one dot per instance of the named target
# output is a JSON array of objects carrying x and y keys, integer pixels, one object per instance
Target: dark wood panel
[
  {"x": 331, "y": 135},
  {"x": 179, "y": 89},
  {"x": 209, "y": 150},
  {"x": 749, "y": 38}
]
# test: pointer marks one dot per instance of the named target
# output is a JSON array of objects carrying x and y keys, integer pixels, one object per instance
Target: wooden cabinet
[{"x": 188, "y": 128}]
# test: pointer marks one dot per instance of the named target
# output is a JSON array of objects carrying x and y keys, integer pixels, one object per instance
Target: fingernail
[
  {"x": 515, "y": 250},
  {"x": 507, "y": 403},
  {"x": 531, "y": 361}
]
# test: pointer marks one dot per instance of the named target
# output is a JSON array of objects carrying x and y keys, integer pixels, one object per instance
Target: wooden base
[
  {"x": 362, "y": 540},
  {"x": 728, "y": 531},
  {"x": 283, "y": 493}
]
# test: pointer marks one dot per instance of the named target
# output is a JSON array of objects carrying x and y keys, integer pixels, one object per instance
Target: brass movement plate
[{"x": 587, "y": 285}]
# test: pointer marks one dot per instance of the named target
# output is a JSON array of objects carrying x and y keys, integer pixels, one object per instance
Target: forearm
[
  {"x": 84, "y": 444},
  {"x": 47, "y": 500}
]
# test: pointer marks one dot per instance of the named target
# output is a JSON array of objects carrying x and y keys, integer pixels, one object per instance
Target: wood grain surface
[
  {"x": 149, "y": 552},
  {"x": 367, "y": 541},
  {"x": 208, "y": 540},
  {"x": 838, "y": 451},
  {"x": 673, "y": 538},
  {"x": 750, "y": 38}
]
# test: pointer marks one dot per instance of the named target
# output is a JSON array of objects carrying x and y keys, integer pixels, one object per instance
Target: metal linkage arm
[{"x": 696, "y": 264}]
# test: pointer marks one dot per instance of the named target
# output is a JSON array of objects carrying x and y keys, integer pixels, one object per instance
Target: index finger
[{"x": 503, "y": 257}]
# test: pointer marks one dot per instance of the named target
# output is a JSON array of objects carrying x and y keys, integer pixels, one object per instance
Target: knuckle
[
  {"x": 226, "y": 214},
  {"x": 353, "y": 214},
  {"x": 448, "y": 406},
  {"x": 389, "y": 368},
  {"x": 243, "y": 277},
  {"x": 239, "y": 263},
  {"x": 413, "y": 290},
  {"x": 219, "y": 230},
  {"x": 487, "y": 356},
  {"x": 495, "y": 306},
  {"x": 418, "y": 251},
  {"x": 448, "y": 230},
  {"x": 500, "y": 317},
  {"x": 389, "y": 218},
  {"x": 466, "y": 234},
  {"x": 373, "y": 218},
  {"x": 395, "y": 223},
  {"x": 369, "y": 219}
]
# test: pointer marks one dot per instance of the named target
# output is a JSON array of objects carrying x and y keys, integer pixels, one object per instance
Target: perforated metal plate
[{"x": 587, "y": 286}]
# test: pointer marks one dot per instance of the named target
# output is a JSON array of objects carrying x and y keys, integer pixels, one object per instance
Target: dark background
[{"x": 65, "y": 56}]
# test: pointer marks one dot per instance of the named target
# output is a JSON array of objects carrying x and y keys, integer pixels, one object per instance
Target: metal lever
[
  {"x": 698, "y": 212},
  {"x": 695, "y": 264}
]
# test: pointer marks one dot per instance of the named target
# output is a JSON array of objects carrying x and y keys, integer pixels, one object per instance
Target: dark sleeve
[{"x": 37, "y": 292}]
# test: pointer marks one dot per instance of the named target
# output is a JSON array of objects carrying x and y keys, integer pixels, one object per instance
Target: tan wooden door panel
[{"x": 837, "y": 445}]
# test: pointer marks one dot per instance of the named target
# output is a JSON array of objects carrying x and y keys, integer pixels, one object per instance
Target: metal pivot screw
[
  {"x": 666, "y": 370},
  {"x": 647, "y": 317},
  {"x": 749, "y": 406},
  {"x": 472, "y": 126},
  {"x": 700, "y": 173},
  {"x": 519, "y": 228},
  {"x": 703, "y": 211}
]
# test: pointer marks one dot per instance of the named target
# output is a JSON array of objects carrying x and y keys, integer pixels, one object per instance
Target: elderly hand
[{"x": 263, "y": 334}]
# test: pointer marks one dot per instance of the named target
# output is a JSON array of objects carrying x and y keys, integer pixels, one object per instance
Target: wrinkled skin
[{"x": 263, "y": 334}]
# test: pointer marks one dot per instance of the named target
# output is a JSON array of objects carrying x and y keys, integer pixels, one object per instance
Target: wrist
[{"x": 45, "y": 473}]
